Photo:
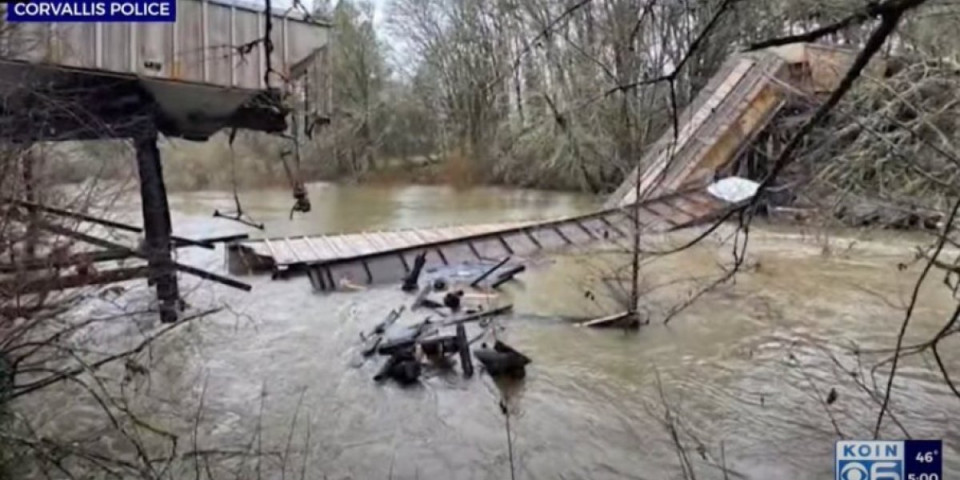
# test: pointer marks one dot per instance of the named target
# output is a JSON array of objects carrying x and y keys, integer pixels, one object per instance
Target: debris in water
[
  {"x": 452, "y": 300},
  {"x": 622, "y": 319},
  {"x": 418, "y": 302},
  {"x": 407, "y": 346},
  {"x": 466, "y": 363},
  {"x": 502, "y": 359},
  {"x": 405, "y": 369},
  {"x": 374, "y": 338},
  {"x": 507, "y": 275},
  {"x": 347, "y": 284},
  {"x": 411, "y": 282},
  {"x": 487, "y": 273}
]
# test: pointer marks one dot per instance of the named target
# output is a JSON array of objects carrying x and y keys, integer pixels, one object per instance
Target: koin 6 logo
[
  {"x": 877, "y": 471},
  {"x": 869, "y": 460}
]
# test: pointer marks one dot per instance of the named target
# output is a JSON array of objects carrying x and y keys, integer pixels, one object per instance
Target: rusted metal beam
[
  {"x": 220, "y": 239},
  {"x": 179, "y": 266},
  {"x": 486, "y": 274}
]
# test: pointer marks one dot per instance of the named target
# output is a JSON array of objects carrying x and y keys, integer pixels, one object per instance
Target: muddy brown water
[{"x": 744, "y": 370}]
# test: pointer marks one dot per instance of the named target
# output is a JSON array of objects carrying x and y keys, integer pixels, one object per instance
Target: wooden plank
[
  {"x": 745, "y": 122},
  {"x": 393, "y": 238},
  {"x": 724, "y": 118},
  {"x": 372, "y": 239},
  {"x": 747, "y": 127},
  {"x": 313, "y": 248},
  {"x": 722, "y": 73},
  {"x": 658, "y": 164},
  {"x": 322, "y": 244},
  {"x": 339, "y": 251},
  {"x": 418, "y": 235},
  {"x": 605, "y": 321},
  {"x": 408, "y": 237},
  {"x": 292, "y": 249},
  {"x": 273, "y": 252},
  {"x": 326, "y": 247}
]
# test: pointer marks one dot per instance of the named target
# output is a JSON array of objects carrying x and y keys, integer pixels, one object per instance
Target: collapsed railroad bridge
[
  {"x": 739, "y": 122},
  {"x": 136, "y": 81}
]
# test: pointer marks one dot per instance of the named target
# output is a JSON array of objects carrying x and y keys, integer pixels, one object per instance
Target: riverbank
[
  {"x": 417, "y": 171},
  {"x": 254, "y": 164},
  {"x": 422, "y": 172}
]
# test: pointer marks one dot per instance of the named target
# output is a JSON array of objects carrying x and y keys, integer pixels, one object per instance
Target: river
[{"x": 744, "y": 371}]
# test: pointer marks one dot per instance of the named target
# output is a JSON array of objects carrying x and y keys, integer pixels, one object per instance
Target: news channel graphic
[
  {"x": 47, "y": 11},
  {"x": 889, "y": 460}
]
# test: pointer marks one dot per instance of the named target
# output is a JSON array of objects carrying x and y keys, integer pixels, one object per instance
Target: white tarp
[{"x": 733, "y": 189}]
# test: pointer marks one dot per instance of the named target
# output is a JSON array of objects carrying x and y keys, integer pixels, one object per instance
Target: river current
[{"x": 740, "y": 377}]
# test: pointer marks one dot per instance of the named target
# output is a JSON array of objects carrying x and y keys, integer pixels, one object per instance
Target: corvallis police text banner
[{"x": 92, "y": 11}]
